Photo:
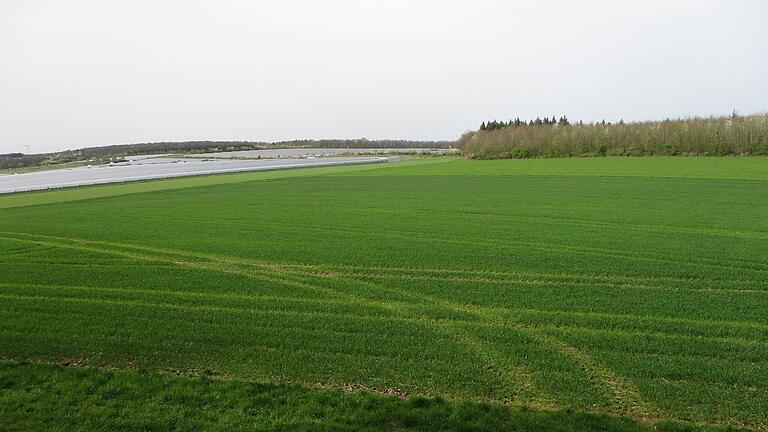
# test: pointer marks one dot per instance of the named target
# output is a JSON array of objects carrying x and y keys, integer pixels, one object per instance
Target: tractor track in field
[
  {"x": 625, "y": 399},
  {"x": 171, "y": 257},
  {"x": 517, "y": 383},
  {"x": 525, "y": 279},
  {"x": 447, "y": 323},
  {"x": 241, "y": 266},
  {"x": 727, "y": 263},
  {"x": 515, "y": 380},
  {"x": 272, "y": 301},
  {"x": 478, "y": 275}
]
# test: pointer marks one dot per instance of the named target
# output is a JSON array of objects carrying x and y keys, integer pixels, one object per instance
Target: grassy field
[{"x": 571, "y": 294}]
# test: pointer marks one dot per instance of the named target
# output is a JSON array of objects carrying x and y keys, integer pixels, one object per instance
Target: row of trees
[
  {"x": 715, "y": 136},
  {"x": 495, "y": 124}
]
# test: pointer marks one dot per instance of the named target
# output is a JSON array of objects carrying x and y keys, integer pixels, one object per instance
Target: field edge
[{"x": 46, "y": 396}]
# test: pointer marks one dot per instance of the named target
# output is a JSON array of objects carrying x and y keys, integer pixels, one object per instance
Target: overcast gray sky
[{"x": 83, "y": 73}]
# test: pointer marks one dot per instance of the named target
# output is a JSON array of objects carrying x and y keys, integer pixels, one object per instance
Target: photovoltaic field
[{"x": 606, "y": 293}]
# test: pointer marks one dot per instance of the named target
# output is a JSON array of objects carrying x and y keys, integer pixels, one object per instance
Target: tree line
[
  {"x": 495, "y": 124},
  {"x": 553, "y": 137}
]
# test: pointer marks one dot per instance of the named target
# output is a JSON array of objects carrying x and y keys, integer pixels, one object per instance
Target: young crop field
[{"x": 562, "y": 294}]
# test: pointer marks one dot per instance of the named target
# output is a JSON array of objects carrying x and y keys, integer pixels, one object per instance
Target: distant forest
[
  {"x": 558, "y": 137},
  {"x": 103, "y": 154},
  {"x": 494, "y": 139}
]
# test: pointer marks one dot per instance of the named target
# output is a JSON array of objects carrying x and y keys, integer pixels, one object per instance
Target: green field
[{"x": 610, "y": 293}]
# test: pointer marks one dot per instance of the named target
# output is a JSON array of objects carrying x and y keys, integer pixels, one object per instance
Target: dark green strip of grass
[{"x": 51, "y": 397}]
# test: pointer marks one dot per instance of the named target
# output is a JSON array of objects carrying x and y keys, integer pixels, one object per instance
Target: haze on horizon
[{"x": 87, "y": 73}]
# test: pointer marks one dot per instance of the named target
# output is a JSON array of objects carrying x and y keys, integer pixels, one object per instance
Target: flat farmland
[{"x": 605, "y": 293}]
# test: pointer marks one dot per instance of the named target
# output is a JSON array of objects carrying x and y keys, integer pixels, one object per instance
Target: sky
[{"x": 82, "y": 73}]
